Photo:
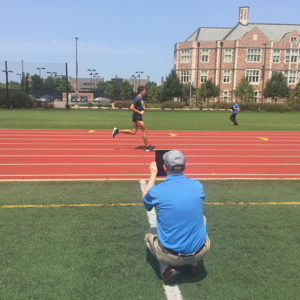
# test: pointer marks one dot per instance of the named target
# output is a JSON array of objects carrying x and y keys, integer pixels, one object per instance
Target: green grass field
[
  {"x": 155, "y": 120},
  {"x": 99, "y": 252}
]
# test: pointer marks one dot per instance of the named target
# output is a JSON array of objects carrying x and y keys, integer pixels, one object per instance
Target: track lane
[{"x": 80, "y": 154}]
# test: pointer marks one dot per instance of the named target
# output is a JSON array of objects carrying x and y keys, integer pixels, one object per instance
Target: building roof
[
  {"x": 208, "y": 34},
  {"x": 275, "y": 32}
]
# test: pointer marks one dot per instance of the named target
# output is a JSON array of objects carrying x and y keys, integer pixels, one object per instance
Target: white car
[{"x": 102, "y": 100}]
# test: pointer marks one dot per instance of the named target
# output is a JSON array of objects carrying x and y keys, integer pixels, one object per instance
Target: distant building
[
  {"x": 251, "y": 50},
  {"x": 85, "y": 84}
]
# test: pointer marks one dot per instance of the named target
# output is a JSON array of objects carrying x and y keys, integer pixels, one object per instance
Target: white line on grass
[{"x": 172, "y": 291}]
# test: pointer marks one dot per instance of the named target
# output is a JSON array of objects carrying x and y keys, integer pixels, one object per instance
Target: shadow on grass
[{"x": 184, "y": 276}]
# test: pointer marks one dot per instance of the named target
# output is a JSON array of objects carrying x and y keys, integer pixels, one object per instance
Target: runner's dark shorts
[{"x": 137, "y": 119}]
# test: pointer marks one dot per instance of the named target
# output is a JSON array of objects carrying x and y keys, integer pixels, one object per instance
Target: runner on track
[{"x": 137, "y": 119}]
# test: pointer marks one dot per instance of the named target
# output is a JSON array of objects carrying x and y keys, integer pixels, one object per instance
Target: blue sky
[{"x": 118, "y": 37}]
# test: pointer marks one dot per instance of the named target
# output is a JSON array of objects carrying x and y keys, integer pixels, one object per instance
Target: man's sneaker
[
  {"x": 115, "y": 132},
  {"x": 150, "y": 148},
  {"x": 171, "y": 276}
]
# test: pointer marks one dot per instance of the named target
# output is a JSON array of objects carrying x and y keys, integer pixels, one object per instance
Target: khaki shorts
[{"x": 166, "y": 258}]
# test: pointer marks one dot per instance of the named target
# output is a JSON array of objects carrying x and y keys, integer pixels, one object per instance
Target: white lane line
[
  {"x": 172, "y": 291},
  {"x": 143, "y": 163},
  {"x": 139, "y": 149},
  {"x": 147, "y": 174},
  {"x": 162, "y": 144},
  {"x": 129, "y": 155}
]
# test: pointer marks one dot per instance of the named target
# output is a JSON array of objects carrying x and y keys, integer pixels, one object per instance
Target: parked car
[
  {"x": 102, "y": 100},
  {"x": 83, "y": 99},
  {"x": 46, "y": 98},
  {"x": 32, "y": 97}
]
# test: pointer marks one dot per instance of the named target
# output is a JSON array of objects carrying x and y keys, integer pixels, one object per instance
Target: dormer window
[{"x": 294, "y": 39}]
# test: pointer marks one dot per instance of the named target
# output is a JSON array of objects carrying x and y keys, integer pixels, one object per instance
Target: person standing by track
[
  {"x": 235, "y": 108},
  {"x": 137, "y": 119}
]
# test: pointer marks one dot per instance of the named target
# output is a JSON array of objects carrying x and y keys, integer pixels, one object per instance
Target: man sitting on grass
[{"x": 180, "y": 237}]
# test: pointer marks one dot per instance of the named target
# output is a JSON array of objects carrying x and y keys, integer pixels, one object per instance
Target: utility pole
[
  {"x": 7, "y": 95},
  {"x": 76, "y": 39}
]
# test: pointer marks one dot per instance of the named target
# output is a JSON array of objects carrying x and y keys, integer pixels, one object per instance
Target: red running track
[{"x": 85, "y": 155}]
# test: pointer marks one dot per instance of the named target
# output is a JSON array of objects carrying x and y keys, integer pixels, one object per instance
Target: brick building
[{"x": 251, "y": 50}]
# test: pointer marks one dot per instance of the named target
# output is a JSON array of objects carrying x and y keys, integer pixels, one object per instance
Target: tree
[
  {"x": 126, "y": 91},
  {"x": 50, "y": 84},
  {"x": 37, "y": 83},
  {"x": 152, "y": 92},
  {"x": 117, "y": 86},
  {"x": 212, "y": 89},
  {"x": 172, "y": 87},
  {"x": 60, "y": 83},
  {"x": 276, "y": 87},
  {"x": 109, "y": 90},
  {"x": 244, "y": 91},
  {"x": 295, "y": 94},
  {"x": 27, "y": 87},
  {"x": 202, "y": 93}
]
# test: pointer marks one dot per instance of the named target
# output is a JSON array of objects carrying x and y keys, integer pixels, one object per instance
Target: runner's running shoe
[
  {"x": 115, "y": 132},
  {"x": 150, "y": 148}
]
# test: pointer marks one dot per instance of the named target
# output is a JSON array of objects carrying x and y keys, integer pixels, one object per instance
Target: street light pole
[
  {"x": 76, "y": 39},
  {"x": 134, "y": 82},
  {"x": 91, "y": 74},
  {"x": 40, "y": 68},
  {"x": 139, "y": 75}
]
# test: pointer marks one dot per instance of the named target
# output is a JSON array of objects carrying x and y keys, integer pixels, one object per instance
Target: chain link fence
[{"x": 43, "y": 82}]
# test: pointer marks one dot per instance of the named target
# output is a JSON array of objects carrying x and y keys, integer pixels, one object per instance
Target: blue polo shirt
[
  {"x": 179, "y": 207},
  {"x": 235, "y": 107}
]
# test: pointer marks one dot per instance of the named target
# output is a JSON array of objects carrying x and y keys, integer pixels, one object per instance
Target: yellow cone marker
[
  {"x": 262, "y": 138},
  {"x": 92, "y": 131},
  {"x": 173, "y": 134}
]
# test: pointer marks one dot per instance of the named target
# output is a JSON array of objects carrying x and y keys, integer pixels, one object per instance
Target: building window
[
  {"x": 253, "y": 54},
  {"x": 256, "y": 96},
  {"x": 291, "y": 55},
  {"x": 276, "y": 55},
  {"x": 225, "y": 96},
  {"x": 226, "y": 76},
  {"x": 294, "y": 39},
  {"x": 204, "y": 75},
  {"x": 290, "y": 76},
  {"x": 185, "y": 55},
  {"x": 227, "y": 54},
  {"x": 184, "y": 76},
  {"x": 252, "y": 76},
  {"x": 204, "y": 56}
]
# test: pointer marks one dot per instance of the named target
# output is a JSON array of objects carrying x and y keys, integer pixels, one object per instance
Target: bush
[
  {"x": 275, "y": 107},
  {"x": 39, "y": 104},
  {"x": 295, "y": 106},
  {"x": 219, "y": 105},
  {"x": 106, "y": 104},
  {"x": 122, "y": 104},
  {"x": 250, "y": 106},
  {"x": 16, "y": 100},
  {"x": 171, "y": 104}
]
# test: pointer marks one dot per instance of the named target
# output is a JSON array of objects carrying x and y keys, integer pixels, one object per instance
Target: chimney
[
  {"x": 162, "y": 81},
  {"x": 244, "y": 15}
]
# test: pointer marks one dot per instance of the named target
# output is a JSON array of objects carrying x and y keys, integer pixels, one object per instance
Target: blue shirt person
[
  {"x": 235, "y": 108},
  {"x": 180, "y": 237}
]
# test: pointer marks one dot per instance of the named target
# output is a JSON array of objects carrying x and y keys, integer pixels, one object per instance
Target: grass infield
[
  {"x": 154, "y": 120},
  {"x": 99, "y": 252}
]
